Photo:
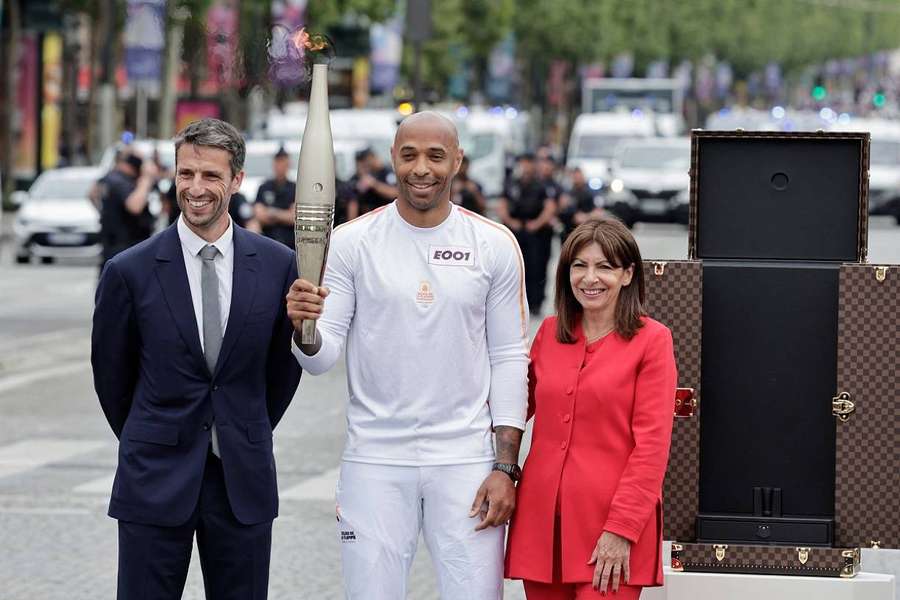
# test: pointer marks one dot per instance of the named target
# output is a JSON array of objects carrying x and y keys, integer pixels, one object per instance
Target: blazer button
[
  {"x": 567, "y": 418},
  {"x": 206, "y": 427},
  {"x": 569, "y": 390},
  {"x": 215, "y": 388},
  {"x": 564, "y": 445}
]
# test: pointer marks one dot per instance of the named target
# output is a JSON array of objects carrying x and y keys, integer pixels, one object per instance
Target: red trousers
[{"x": 535, "y": 590}]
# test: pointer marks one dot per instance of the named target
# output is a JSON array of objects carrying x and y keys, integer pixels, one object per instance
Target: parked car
[
  {"x": 884, "y": 163},
  {"x": 649, "y": 180},
  {"x": 56, "y": 217}
]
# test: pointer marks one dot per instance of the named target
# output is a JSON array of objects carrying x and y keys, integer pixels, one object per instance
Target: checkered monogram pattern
[
  {"x": 674, "y": 293},
  {"x": 867, "y": 499},
  {"x": 778, "y": 560}
]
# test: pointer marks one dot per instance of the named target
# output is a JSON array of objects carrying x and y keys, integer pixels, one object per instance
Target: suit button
[
  {"x": 569, "y": 390},
  {"x": 206, "y": 426},
  {"x": 564, "y": 445},
  {"x": 215, "y": 388},
  {"x": 567, "y": 418}
]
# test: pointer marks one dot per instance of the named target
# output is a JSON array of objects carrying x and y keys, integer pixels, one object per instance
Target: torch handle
[{"x": 308, "y": 332}]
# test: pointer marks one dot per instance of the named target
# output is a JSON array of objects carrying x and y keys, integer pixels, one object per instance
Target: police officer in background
[
  {"x": 528, "y": 208},
  {"x": 124, "y": 193},
  {"x": 372, "y": 185},
  {"x": 274, "y": 207},
  {"x": 578, "y": 204},
  {"x": 546, "y": 169},
  {"x": 465, "y": 191}
]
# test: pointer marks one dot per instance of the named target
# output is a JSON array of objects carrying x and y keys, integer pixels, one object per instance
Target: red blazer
[{"x": 602, "y": 428}]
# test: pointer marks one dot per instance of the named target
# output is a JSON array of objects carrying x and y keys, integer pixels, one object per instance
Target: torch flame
[{"x": 305, "y": 42}]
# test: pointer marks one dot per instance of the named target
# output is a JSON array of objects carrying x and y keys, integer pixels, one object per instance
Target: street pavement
[{"x": 57, "y": 454}]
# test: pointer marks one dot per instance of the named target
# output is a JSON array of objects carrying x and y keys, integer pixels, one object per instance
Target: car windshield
[
  {"x": 56, "y": 186},
  {"x": 886, "y": 152},
  {"x": 655, "y": 157},
  {"x": 597, "y": 146},
  {"x": 479, "y": 145}
]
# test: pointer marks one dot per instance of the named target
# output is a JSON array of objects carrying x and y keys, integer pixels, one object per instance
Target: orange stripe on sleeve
[
  {"x": 362, "y": 216},
  {"x": 508, "y": 234}
]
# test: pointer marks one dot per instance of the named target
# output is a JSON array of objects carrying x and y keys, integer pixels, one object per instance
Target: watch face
[{"x": 514, "y": 471}]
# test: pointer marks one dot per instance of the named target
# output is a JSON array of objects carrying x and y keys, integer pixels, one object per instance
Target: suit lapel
[
  {"x": 173, "y": 279},
  {"x": 243, "y": 291}
]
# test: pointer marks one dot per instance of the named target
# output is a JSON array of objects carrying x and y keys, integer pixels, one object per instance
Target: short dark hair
[
  {"x": 134, "y": 160},
  {"x": 364, "y": 154},
  {"x": 282, "y": 153},
  {"x": 621, "y": 250},
  {"x": 214, "y": 133}
]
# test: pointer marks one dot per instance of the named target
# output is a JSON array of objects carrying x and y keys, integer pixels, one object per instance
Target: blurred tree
[
  {"x": 484, "y": 24},
  {"x": 105, "y": 20},
  {"x": 323, "y": 13},
  {"x": 193, "y": 50},
  {"x": 748, "y": 34},
  {"x": 473, "y": 27},
  {"x": 11, "y": 27}
]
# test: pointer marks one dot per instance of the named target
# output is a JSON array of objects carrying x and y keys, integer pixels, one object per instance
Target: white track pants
[{"x": 381, "y": 510}]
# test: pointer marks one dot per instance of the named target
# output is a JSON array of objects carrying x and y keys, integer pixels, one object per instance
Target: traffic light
[
  {"x": 819, "y": 93},
  {"x": 878, "y": 99}
]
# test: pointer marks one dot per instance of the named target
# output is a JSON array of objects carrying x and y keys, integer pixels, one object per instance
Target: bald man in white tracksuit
[{"x": 429, "y": 299}]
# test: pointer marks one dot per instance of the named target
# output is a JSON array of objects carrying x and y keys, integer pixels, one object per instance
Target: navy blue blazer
[{"x": 159, "y": 396}]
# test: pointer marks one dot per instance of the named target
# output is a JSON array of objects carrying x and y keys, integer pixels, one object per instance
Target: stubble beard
[
  {"x": 441, "y": 192},
  {"x": 202, "y": 222}
]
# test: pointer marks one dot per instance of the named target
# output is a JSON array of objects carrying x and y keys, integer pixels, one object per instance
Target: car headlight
[
  {"x": 623, "y": 196},
  {"x": 595, "y": 183},
  {"x": 617, "y": 186}
]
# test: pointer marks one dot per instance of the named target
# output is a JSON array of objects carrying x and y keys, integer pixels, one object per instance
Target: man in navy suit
[{"x": 191, "y": 353}]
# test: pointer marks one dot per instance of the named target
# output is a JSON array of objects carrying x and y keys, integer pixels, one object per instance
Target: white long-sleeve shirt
[{"x": 435, "y": 322}]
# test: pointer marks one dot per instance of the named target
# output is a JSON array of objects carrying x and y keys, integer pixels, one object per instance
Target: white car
[
  {"x": 56, "y": 218},
  {"x": 595, "y": 137},
  {"x": 649, "y": 180},
  {"x": 884, "y": 163}
]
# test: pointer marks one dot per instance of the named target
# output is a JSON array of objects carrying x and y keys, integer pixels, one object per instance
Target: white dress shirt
[{"x": 191, "y": 244}]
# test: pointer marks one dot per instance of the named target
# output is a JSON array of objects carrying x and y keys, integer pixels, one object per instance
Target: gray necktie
[{"x": 212, "y": 321}]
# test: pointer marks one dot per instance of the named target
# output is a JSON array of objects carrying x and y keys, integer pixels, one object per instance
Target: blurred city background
[
  {"x": 566, "y": 109},
  {"x": 610, "y": 88}
]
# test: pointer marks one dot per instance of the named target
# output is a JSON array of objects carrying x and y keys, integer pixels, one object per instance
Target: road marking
[
  {"x": 320, "y": 487},
  {"x": 16, "y": 381},
  {"x": 101, "y": 486},
  {"x": 49, "y": 337},
  {"x": 34, "y": 453},
  {"x": 44, "y": 511}
]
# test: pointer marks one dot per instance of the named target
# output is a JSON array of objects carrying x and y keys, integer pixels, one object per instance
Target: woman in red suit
[{"x": 602, "y": 380}]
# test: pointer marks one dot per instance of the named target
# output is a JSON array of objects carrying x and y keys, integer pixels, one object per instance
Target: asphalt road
[{"x": 57, "y": 455}]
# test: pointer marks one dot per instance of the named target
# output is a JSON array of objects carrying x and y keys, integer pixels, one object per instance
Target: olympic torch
[{"x": 314, "y": 198}]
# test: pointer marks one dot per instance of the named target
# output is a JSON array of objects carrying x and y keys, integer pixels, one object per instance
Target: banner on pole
[{"x": 144, "y": 40}]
